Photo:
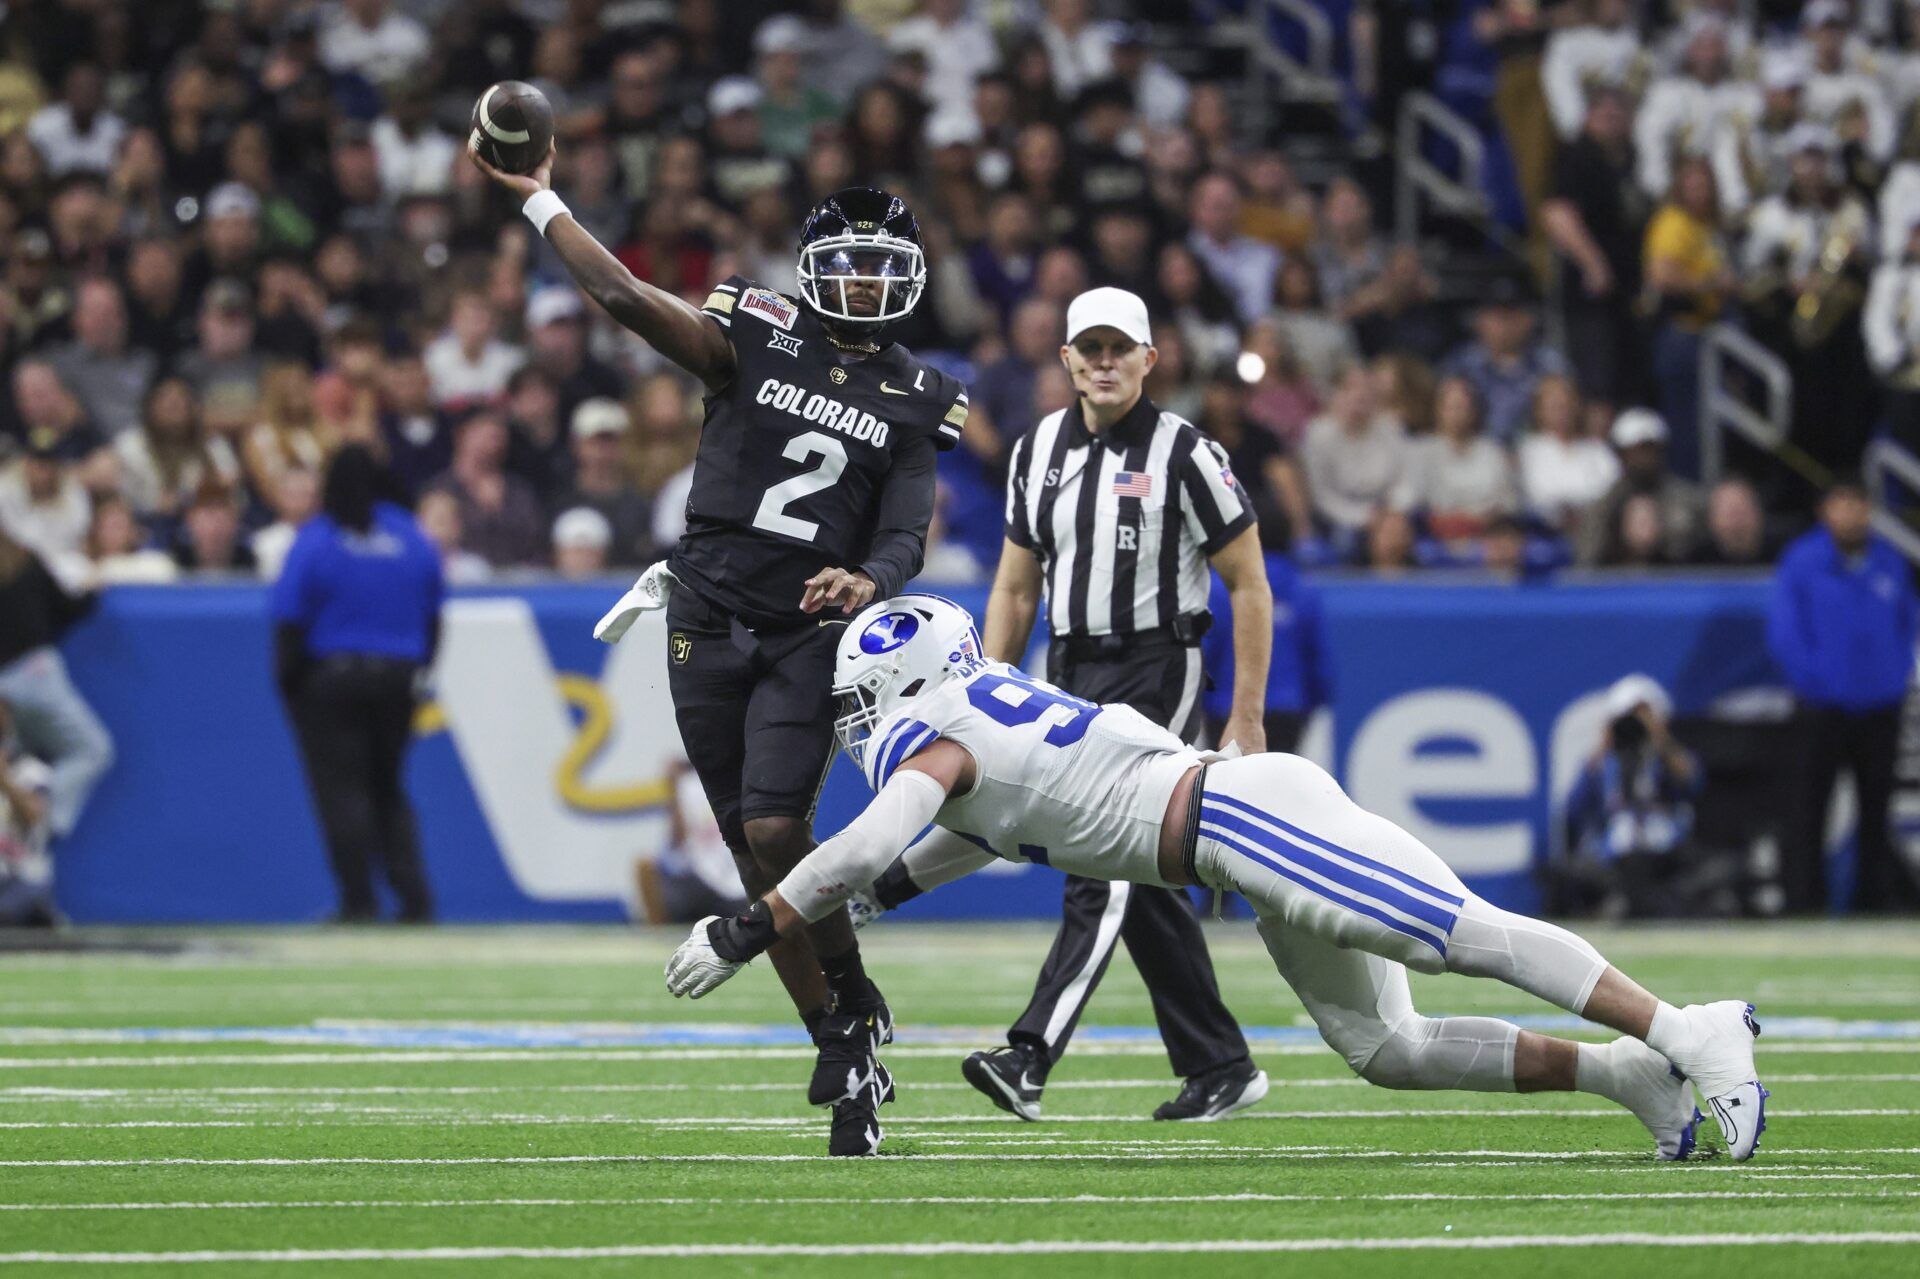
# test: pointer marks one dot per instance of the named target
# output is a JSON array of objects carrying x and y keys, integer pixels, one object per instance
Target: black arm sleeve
[
  {"x": 906, "y": 509},
  {"x": 290, "y": 658}
]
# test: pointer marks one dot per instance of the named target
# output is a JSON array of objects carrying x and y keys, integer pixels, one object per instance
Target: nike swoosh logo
[
  {"x": 1027, "y": 1084},
  {"x": 890, "y": 391}
]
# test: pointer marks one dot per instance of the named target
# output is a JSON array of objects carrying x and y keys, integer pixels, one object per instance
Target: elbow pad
[{"x": 858, "y": 855}]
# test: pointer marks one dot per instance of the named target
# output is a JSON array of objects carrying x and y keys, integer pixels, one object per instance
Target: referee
[{"x": 1114, "y": 510}]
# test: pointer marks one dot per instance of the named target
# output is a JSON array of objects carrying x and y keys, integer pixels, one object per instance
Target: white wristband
[{"x": 543, "y": 207}]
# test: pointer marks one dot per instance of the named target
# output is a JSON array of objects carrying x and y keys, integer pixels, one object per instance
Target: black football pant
[
  {"x": 1866, "y": 744},
  {"x": 1158, "y": 925},
  {"x": 354, "y": 719}
]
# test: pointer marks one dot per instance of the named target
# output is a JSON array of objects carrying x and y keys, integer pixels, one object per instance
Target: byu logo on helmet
[{"x": 888, "y": 632}]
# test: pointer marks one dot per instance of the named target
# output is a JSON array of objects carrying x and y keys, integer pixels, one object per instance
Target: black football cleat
[
  {"x": 845, "y": 1063},
  {"x": 1011, "y": 1077},
  {"x": 856, "y": 1131},
  {"x": 1216, "y": 1094}
]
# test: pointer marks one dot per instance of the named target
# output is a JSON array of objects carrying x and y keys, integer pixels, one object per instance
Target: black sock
[
  {"x": 853, "y": 990},
  {"x": 813, "y": 1018}
]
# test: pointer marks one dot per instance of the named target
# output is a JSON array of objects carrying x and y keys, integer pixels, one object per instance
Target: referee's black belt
[{"x": 1186, "y": 631}]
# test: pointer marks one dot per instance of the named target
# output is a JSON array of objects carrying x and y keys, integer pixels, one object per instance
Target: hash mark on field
[
  {"x": 727, "y": 1201},
  {"x": 1030, "y": 1247}
]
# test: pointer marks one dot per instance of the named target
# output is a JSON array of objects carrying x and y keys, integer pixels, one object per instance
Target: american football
[{"x": 512, "y": 126}]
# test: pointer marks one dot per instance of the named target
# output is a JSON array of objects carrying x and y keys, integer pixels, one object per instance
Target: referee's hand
[
  {"x": 851, "y": 591},
  {"x": 1248, "y": 731}
]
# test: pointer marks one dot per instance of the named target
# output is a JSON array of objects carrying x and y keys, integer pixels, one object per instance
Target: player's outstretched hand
[
  {"x": 851, "y": 591},
  {"x": 695, "y": 968},
  {"x": 523, "y": 185}
]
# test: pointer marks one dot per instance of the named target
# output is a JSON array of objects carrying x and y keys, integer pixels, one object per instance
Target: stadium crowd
[{"x": 238, "y": 235}]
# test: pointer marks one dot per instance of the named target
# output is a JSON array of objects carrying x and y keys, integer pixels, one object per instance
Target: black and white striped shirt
[{"x": 1122, "y": 521}]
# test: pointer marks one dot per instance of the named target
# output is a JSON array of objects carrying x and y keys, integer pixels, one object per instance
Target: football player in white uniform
[{"x": 1011, "y": 767}]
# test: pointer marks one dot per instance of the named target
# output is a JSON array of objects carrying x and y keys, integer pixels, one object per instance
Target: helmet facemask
[
  {"x": 858, "y": 707},
  {"x": 894, "y": 264}
]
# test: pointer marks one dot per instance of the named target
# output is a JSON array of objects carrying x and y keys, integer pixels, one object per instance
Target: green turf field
[{"x": 521, "y": 1102}]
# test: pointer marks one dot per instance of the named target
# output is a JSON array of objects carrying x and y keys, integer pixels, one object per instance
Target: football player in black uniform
[{"x": 812, "y": 491}]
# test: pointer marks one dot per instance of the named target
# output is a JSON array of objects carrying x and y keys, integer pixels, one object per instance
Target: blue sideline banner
[{"x": 539, "y": 772}]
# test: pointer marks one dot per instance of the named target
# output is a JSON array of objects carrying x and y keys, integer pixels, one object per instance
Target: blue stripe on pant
[
  {"x": 1363, "y": 896},
  {"x": 1360, "y": 858}
]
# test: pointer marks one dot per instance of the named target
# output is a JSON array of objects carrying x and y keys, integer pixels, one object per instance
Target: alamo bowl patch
[
  {"x": 679, "y": 648},
  {"x": 774, "y": 308}
]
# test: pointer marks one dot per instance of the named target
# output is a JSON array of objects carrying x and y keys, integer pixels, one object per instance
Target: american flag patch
[
  {"x": 1226, "y": 476},
  {"x": 1132, "y": 484}
]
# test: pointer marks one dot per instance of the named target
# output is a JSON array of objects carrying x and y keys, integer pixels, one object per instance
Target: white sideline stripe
[
  {"x": 746, "y": 1123},
  {"x": 1026, "y": 1247},
  {"x": 670, "y": 1201},
  {"x": 1289, "y": 1152}
]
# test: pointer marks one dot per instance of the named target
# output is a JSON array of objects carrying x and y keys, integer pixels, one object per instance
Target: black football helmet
[{"x": 860, "y": 233}]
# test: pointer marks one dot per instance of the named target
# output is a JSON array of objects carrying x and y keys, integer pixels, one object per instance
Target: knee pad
[
  {"x": 1396, "y": 1060},
  {"x": 1541, "y": 958},
  {"x": 1473, "y": 1053}
]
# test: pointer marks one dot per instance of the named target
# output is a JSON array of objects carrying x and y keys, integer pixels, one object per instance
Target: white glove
[
  {"x": 648, "y": 595},
  {"x": 695, "y": 969},
  {"x": 863, "y": 909}
]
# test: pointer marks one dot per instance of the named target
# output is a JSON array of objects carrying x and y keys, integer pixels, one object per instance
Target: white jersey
[{"x": 1058, "y": 780}]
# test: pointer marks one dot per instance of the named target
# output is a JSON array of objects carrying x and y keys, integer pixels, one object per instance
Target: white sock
[
  {"x": 1597, "y": 1070},
  {"x": 1668, "y": 1031}
]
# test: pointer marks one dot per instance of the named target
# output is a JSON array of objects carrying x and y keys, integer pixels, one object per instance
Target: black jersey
[{"x": 809, "y": 459}]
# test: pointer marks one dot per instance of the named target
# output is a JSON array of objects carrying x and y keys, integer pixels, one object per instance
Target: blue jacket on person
[
  {"x": 376, "y": 593},
  {"x": 1300, "y": 676},
  {"x": 1843, "y": 628}
]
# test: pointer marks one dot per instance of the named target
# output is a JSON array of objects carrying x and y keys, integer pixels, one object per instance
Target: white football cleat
[
  {"x": 1718, "y": 1058},
  {"x": 1662, "y": 1099}
]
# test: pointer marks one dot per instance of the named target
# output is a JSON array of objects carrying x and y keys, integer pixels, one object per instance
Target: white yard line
[
  {"x": 1031, "y": 1247},
  {"x": 1068, "y": 1201},
  {"x": 1289, "y": 1152},
  {"x": 745, "y": 1123}
]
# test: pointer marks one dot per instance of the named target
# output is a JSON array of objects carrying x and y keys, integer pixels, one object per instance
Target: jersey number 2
[
  {"x": 772, "y": 515},
  {"x": 1013, "y": 702}
]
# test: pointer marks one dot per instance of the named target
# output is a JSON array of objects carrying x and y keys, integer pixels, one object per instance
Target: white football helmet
[{"x": 894, "y": 651}]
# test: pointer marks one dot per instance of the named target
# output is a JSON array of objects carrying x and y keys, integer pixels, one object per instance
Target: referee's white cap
[{"x": 1112, "y": 308}]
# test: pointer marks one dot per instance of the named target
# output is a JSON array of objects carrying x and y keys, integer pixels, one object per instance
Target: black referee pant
[
  {"x": 354, "y": 719},
  {"x": 1161, "y": 680}
]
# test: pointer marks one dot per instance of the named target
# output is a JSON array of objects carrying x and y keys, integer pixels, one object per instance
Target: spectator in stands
[
  {"x": 958, "y": 47},
  {"x": 602, "y": 482},
  {"x": 44, "y": 506},
  {"x": 557, "y": 344},
  {"x": 842, "y": 54},
  {"x": 108, "y": 375},
  {"x": 1845, "y": 96},
  {"x": 289, "y": 432},
  {"x": 1843, "y": 628},
  {"x": 1891, "y": 325},
  {"x": 51, "y": 721},
  {"x": 1456, "y": 478},
  {"x": 1804, "y": 273},
  {"x": 78, "y": 133},
  {"x": 44, "y": 403},
  {"x": 163, "y": 460},
  {"x": 1349, "y": 258},
  {"x": 1390, "y": 542},
  {"x": 158, "y": 316},
  {"x": 210, "y": 540},
  {"x": 1354, "y": 456},
  {"x": 1322, "y": 341},
  {"x": 500, "y": 517},
  {"x": 1002, "y": 263},
  {"x": 1602, "y": 51},
  {"x": 789, "y": 109},
  {"x": 229, "y": 241},
  {"x": 224, "y": 365},
  {"x": 1079, "y": 49},
  {"x": 119, "y": 549},
  {"x": 1664, "y": 526},
  {"x": 1686, "y": 112},
  {"x": 1277, "y": 208},
  {"x": 1002, "y": 402},
  {"x": 1403, "y": 384},
  {"x": 1281, "y": 397},
  {"x": 1242, "y": 265},
  {"x": 1505, "y": 361},
  {"x": 581, "y": 538},
  {"x": 294, "y": 498},
  {"x": 1629, "y": 816},
  {"x": 1736, "y": 534},
  {"x": 1690, "y": 279},
  {"x": 1594, "y": 217},
  {"x": 1753, "y": 163},
  {"x": 439, "y": 516},
  {"x": 1637, "y": 535},
  {"x": 368, "y": 39},
  {"x": 356, "y": 616},
  {"x": 1402, "y": 314},
  {"x": 1265, "y": 467},
  {"x": 1159, "y": 93},
  {"x": 469, "y": 364},
  {"x": 1198, "y": 306},
  {"x": 1300, "y": 675},
  {"x": 1563, "y": 470}
]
